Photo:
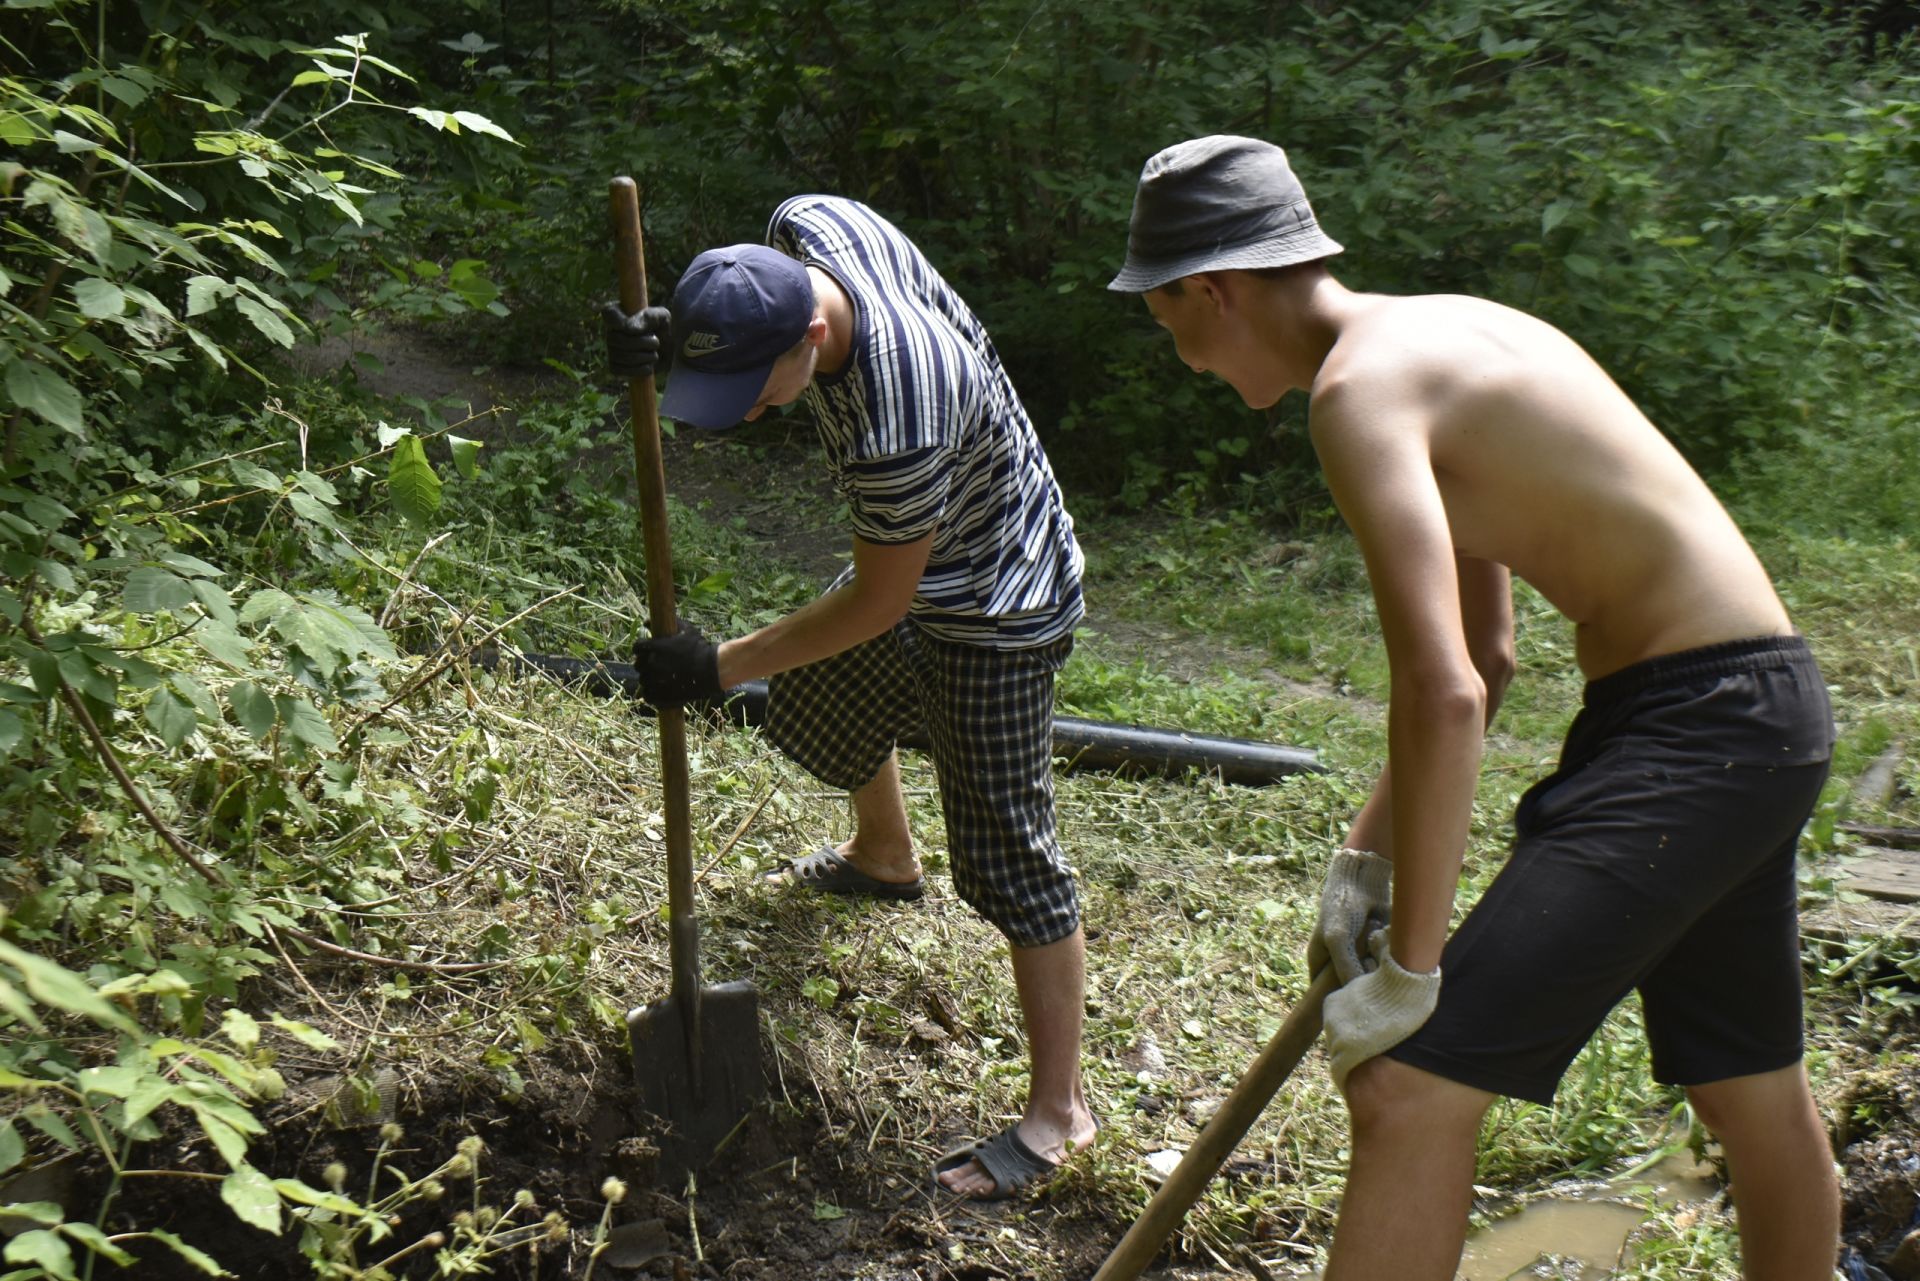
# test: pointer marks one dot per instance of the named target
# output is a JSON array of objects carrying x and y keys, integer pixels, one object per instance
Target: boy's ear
[
  {"x": 1215, "y": 288},
  {"x": 816, "y": 330}
]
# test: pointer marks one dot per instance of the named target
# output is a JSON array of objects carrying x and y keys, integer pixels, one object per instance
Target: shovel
[
  {"x": 1228, "y": 1126},
  {"x": 696, "y": 1055}
]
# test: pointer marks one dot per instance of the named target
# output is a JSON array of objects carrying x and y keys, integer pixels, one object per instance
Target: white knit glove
[
  {"x": 1355, "y": 902},
  {"x": 1376, "y": 1011}
]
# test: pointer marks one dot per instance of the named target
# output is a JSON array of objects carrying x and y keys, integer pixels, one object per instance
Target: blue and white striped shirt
[{"x": 924, "y": 434}]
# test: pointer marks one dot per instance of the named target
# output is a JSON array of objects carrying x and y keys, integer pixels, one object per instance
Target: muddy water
[
  {"x": 1583, "y": 1229},
  {"x": 1578, "y": 1231}
]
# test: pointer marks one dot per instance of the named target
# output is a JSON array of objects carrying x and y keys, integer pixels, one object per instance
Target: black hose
[{"x": 1084, "y": 744}]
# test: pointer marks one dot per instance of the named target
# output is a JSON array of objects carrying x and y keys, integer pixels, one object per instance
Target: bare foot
[
  {"x": 1049, "y": 1141},
  {"x": 891, "y": 866}
]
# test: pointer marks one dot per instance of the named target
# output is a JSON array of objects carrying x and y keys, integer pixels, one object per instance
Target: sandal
[
  {"x": 826, "y": 871},
  {"x": 1009, "y": 1162}
]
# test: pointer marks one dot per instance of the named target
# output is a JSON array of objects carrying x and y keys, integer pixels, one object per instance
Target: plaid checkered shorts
[{"x": 988, "y": 715}]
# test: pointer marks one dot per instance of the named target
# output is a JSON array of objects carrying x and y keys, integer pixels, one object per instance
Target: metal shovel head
[{"x": 698, "y": 1070}]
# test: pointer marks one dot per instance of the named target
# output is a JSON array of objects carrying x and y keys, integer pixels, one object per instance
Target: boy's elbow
[
  {"x": 1496, "y": 666},
  {"x": 1455, "y": 699}
]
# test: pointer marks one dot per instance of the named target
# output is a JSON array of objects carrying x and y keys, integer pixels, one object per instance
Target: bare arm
[
  {"x": 1486, "y": 616},
  {"x": 885, "y": 577},
  {"x": 1375, "y": 458},
  {"x": 1486, "y": 619}
]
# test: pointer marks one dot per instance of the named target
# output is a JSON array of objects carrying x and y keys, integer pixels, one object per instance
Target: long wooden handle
[
  {"x": 650, "y": 473},
  {"x": 1221, "y": 1135}
]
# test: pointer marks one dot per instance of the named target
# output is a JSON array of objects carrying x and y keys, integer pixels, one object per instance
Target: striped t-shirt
[{"x": 924, "y": 434}]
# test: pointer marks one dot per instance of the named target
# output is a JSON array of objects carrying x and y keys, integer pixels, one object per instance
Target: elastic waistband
[{"x": 1728, "y": 658}]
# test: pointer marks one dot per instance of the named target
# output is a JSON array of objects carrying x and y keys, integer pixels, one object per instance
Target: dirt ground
[{"x": 789, "y": 1199}]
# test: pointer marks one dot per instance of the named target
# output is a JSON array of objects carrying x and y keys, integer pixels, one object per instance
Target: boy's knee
[
  {"x": 1770, "y": 1101},
  {"x": 1387, "y": 1098}
]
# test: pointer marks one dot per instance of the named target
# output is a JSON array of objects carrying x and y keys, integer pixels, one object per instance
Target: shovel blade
[{"x": 701, "y": 1105}]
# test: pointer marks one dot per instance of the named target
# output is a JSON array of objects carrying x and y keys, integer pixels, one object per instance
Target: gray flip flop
[
  {"x": 1009, "y": 1162},
  {"x": 825, "y": 870}
]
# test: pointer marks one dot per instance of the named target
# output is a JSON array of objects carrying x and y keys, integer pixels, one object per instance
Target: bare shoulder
[
  {"x": 1439, "y": 337},
  {"x": 1436, "y": 357}
]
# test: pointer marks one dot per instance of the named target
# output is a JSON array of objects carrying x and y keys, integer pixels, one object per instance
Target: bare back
[{"x": 1543, "y": 465}]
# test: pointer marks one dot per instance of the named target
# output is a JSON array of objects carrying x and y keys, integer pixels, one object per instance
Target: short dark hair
[{"x": 1176, "y": 287}]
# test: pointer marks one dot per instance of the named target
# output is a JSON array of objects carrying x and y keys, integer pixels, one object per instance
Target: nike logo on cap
[{"x": 702, "y": 343}]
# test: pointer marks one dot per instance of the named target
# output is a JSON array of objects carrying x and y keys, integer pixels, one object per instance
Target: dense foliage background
[{"x": 211, "y": 567}]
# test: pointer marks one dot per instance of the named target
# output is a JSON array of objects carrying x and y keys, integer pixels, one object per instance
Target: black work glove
[
  {"x": 637, "y": 345},
  {"x": 678, "y": 669}
]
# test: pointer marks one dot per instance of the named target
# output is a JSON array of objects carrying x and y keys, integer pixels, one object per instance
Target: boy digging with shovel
[
  {"x": 1462, "y": 441},
  {"x": 955, "y": 616}
]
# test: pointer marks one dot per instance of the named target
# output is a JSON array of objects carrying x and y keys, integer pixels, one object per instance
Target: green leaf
[
  {"x": 214, "y": 599},
  {"x": 72, "y": 143},
  {"x": 62, "y": 989},
  {"x": 196, "y": 1257},
  {"x": 307, "y": 507},
  {"x": 225, "y": 644},
  {"x": 226, "y": 1139},
  {"x": 265, "y": 320},
  {"x": 242, "y": 1029},
  {"x": 319, "y": 486},
  {"x": 480, "y": 124},
  {"x": 13, "y": 1003},
  {"x": 191, "y": 565},
  {"x": 208, "y": 347},
  {"x": 466, "y": 455},
  {"x": 48, "y": 1122},
  {"x": 12, "y": 731},
  {"x": 412, "y": 482},
  {"x": 268, "y": 602},
  {"x": 13, "y": 1149},
  {"x": 44, "y": 1248},
  {"x": 99, "y": 299},
  {"x": 205, "y": 292},
  {"x": 115, "y": 1082},
  {"x": 97, "y": 1241},
  {"x": 312, "y": 1038},
  {"x": 44, "y": 512},
  {"x": 252, "y": 1196},
  {"x": 171, "y": 717},
  {"x": 305, "y": 724},
  {"x": 197, "y": 694},
  {"x": 45, "y": 1213},
  {"x": 146, "y": 1097},
  {"x": 296, "y": 1191},
  {"x": 253, "y": 708},
  {"x": 150, "y": 590},
  {"x": 33, "y": 386},
  {"x": 255, "y": 475}
]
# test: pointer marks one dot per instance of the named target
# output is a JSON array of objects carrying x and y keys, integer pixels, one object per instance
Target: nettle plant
[{"x": 178, "y": 192}]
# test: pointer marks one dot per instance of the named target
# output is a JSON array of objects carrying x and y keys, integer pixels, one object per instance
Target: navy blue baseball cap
[{"x": 736, "y": 311}]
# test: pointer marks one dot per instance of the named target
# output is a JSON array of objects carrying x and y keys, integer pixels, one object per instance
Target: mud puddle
[{"x": 1581, "y": 1231}]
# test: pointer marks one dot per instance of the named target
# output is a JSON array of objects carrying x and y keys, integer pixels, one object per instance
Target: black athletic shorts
[{"x": 1660, "y": 856}]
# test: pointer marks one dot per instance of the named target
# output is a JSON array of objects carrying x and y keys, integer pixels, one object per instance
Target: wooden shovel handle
[
  {"x": 651, "y": 476},
  {"x": 1222, "y": 1134}
]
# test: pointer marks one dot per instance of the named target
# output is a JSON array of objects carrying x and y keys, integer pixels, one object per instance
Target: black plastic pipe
[{"x": 1084, "y": 744}]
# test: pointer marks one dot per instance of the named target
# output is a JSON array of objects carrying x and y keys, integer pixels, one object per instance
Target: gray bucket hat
[{"x": 1216, "y": 203}]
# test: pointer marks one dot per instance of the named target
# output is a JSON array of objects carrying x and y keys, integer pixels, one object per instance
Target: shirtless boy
[{"x": 1463, "y": 441}]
